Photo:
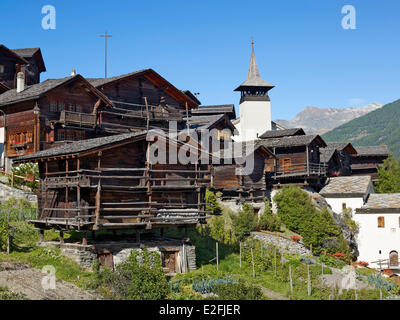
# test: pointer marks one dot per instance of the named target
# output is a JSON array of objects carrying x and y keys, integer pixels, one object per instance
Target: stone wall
[
  {"x": 282, "y": 244},
  {"x": 7, "y": 192}
]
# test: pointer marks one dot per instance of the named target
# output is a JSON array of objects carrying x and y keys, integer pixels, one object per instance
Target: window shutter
[{"x": 381, "y": 222}]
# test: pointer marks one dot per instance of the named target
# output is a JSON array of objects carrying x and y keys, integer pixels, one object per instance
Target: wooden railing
[
  {"x": 81, "y": 119},
  {"x": 300, "y": 169}
]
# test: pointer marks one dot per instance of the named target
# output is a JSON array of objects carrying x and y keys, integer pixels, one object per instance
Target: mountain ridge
[{"x": 316, "y": 120}]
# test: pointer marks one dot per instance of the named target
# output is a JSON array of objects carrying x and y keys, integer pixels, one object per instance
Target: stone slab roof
[
  {"x": 372, "y": 151},
  {"x": 282, "y": 133},
  {"x": 216, "y": 109},
  {"x": 346, "y": 186},
  {"x": 79, "y": 146},
  {"x": 292, "y": 141},
  {"x": 326, "y": 154},
  {"x": 380, "y": 202}
]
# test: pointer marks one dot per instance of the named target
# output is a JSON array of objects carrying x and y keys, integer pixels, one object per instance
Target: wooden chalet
[
  {"x": 113, "y": 183},
  {"x": 29, "y": 61},
  {"x": 297, "y": 159},
  {"x": 50, "y": 113},
  {"x": 367, "y": 160},
  {"x": 338, "y": 155},
  {"x": 142, "y": 100},
  {"x": 231, "y": 178}
]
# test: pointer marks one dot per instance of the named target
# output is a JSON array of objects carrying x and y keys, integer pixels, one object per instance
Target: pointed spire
[
  {"x": 253, "y": 78},
  {"x": 253, "y": 68}
]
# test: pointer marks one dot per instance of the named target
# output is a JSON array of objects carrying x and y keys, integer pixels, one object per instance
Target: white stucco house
[
  {"x": 347, "y": 192},
  {"x": 379, "y": 231}
]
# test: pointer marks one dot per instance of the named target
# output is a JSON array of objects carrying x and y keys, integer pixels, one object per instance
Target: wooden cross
[
  {"x": 252, "y": 43},
  {"x": 105, "y": 36}
]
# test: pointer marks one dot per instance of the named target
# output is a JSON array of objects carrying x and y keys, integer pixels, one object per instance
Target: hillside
[
  {"x": 321, "y": 120},
  {"x": 381, "y": 126}
]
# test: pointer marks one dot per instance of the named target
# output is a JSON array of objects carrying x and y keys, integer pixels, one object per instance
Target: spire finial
[{"x": 252, "y": 43}]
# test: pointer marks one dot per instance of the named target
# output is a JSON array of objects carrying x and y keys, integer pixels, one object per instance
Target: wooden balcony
[
  {"x": 77, "y": 118},
  {"x": 300, "y": 170}
]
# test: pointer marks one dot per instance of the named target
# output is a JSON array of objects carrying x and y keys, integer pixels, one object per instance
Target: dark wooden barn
[
  {"x": 297, "y": 158},
  {"x": 244, "y": 178},
  {"x": 114, "y": 183},
  {"x": 339, "y": 162},
  {"x": 50, "y": 113},
  {"x": 367, "y": 160}
]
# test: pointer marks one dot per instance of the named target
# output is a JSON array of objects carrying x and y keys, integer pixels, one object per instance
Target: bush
[
  {"x": 239, "y": 291},
  {"x": 331, "y": 261},
  {"x": 268, "y": 220},
  {"x": 244, "y": 222},
  {"x": 28, "y": 170},
  {"x": 139, "y": 278},
  {"x": 300, "y": 215},
  {"x": 4, "y": 232},
  {"x": 213, "y": 204},
  {"x": 217, "y": 228},
  {"x": 264, "y": 259}
]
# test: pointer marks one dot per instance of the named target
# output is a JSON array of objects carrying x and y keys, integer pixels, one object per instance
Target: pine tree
[{"x": 389, "y": 176}]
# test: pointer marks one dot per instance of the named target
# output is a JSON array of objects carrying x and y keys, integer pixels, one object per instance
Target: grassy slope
[{"x": 378, "y": 127}]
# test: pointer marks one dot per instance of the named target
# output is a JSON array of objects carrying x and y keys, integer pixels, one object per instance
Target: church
[{"x": 255, "y": 106}]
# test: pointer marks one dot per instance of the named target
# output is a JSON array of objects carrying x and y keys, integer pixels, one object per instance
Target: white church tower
[{"x": 255, "y": 105}]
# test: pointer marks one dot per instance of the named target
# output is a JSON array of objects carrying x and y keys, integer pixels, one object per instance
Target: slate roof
[
  {"x": 98, "y": 82},
  {"x": 13, "y": 54},
  {"x": 372, "y": 151},
  {"x": 292, "y": 141},
  {"x": 326, "y": 154},
  {"x": 79, "y": 146},
  {"x": 380, "y": 202},
  {"x": 3, "y": 88},
  {"x": 341, "y": 186},
  {"x": 340, "y": 146},
  {"x": 26, "y": 52},
  {"x": 205, "y": 121},
  {"x": 216, "y": 109},
  {"x": 37, "y": 90},
  {"x": 282, "y": 133}
]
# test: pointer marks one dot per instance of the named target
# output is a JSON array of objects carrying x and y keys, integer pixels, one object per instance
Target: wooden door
[
  {"x": 286, "y": 164},
  {"x": 394, "y": 258},
  {"x": 169, "y": 261},
  {"x": 106, "y": 259}
]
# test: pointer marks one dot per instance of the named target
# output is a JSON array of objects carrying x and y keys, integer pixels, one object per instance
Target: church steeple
[{"x": 254, "y": 83}]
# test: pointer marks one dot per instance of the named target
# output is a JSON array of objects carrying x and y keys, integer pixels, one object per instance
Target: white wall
[
  {"x": 337, "y": 203},
  {"x": 255, "y": 118},
  {"x": 376, "y": 243}
]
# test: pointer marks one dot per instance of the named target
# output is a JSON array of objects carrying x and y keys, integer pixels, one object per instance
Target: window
[
  {"x": 381, "y": 222},
  {"x": 2, "y": 68},
  {"x": 61, "y": 106},
  {"x": 53, "y": 106},
  {"x": 20, "y": 138}
]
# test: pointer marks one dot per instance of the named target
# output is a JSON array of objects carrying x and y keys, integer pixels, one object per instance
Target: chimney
[
  {"x": 73, "y": 73},
  {"x": 20, "y": 82}
]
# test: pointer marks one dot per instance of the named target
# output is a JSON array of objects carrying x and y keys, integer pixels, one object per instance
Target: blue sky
[{"x": 204, "y": 46}]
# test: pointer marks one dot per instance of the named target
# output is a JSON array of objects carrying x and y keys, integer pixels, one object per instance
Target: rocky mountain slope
[{"x": 321, "y": 120}]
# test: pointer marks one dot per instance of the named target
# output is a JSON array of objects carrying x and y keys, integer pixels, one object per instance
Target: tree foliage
[
  {"x": 28, "y": 170},
  {"x": 212, "y": 201},
  {"x": 389, "y": 176},
  {"x": 316, "y": 227},
  {"x": 244, "y": 222},
  {"x": 268, "y": 220}
]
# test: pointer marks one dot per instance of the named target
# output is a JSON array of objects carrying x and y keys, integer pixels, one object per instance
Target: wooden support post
[
  {"x": 311, "y": 249},
  {"x": 147, "y": 113},
  {"x": 308, "y": 281},
  {"x": 84, "y": 239},
  {"x": 98, "y": 194},
  {"x": 252, "y": 261},
  {"x": 240, "y": 254},
  {"x": 137, "y": 236},
  {"x": 216, "y": 250},
  {"x": 61, "y": 237},
  {"x": 12, "y": 179},
  {"x": 41, "y": 231},
  {"x": 275, "y": 261},
  {"x": 290, "y": 279}
]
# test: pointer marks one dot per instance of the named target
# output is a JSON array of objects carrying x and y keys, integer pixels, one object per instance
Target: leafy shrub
[
  {"x": 5, "y": 294},
  {"x": 18, "y": 209},
  {"x": 4, "y": 233},
  {"x": 217, "y": 228},
  {"x": 208, "y": 285},
  {"x": 212, "y": 201},
  {"x": 300, "y": 215},
  {"x": 264, "y": 258},
  {"x": 307, "y": 260},
  {"x": 331, "y": 261},
  {"x": 139, "y": 278},
  {"x": 28, "y": 170},
  {"x": 268, "y": 220},
  {"x": 380, "y": 283},
  {"x": 239, "y": 291},
  {"x": 244, "y": 222}
]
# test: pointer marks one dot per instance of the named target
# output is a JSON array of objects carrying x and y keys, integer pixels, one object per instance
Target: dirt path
[{"x": 22, "y": 278}]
